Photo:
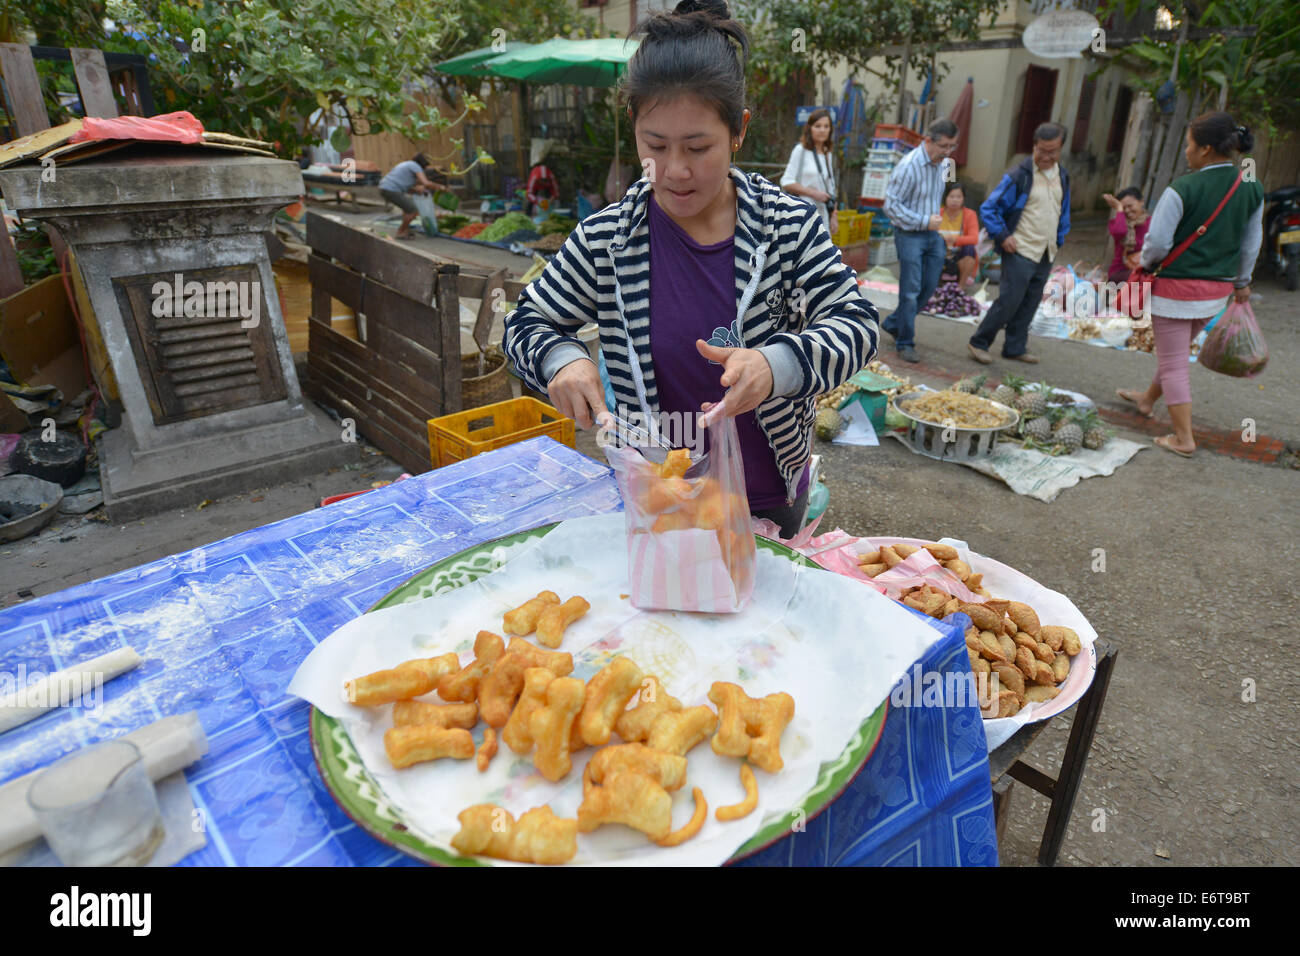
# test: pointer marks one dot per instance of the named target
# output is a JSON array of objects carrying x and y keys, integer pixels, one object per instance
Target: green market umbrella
[
  {"x": 568, "y": 62},
  {"x": 471, "y": 63}
]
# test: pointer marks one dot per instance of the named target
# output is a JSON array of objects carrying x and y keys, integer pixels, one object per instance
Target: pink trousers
[{"x": 1173, "y": 346}]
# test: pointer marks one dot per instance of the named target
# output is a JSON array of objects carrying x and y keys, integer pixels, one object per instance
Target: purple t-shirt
[{"x": 693, "y": 296}]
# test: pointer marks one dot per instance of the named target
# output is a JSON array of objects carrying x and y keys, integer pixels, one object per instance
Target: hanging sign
[{"x": 1061, "y": 34}]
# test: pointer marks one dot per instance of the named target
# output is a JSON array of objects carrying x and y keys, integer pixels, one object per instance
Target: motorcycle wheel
[{"x": 1292, "y": 277}]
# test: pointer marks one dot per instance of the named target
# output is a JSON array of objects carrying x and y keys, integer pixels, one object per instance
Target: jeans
[
  {"x": 920, "y": 258},
  {"x": 1019, "y": 294}
]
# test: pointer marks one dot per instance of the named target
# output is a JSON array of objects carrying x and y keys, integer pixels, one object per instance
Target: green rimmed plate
[{"x": 364, "y": 800}]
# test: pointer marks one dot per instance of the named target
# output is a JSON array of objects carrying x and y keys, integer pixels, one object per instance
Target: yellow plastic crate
[
  {"x": 860, "y": 231},
  {"x": 489, "y": 427},
  {"x": 844, "y": 234}
]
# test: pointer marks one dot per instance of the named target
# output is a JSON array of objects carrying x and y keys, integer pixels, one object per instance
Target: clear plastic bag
[
  {"x": 689, "y": 542},
  {"x": 1235, "y": 346}
]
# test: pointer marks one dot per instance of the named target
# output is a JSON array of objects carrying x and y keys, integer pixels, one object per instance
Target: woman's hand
[
  {"x": 1112, "y": 202},
  {"x": 835, "y": 222},
  {"x": 1242, "y": 294},
  {"x": 746, "y": 376},
  {"x": 1133, "y": 259},
  {"x": 576, "y": 392},
  {"x": 820, "y": 195}
]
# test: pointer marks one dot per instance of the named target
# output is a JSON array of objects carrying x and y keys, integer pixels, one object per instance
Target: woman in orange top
[{"x": 960, "y": 230}]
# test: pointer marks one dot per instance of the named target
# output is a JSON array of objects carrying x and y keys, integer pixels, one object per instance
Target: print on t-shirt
[{"x": 726, "y": 338}]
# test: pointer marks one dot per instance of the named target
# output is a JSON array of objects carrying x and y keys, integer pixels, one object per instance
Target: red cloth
[
  {"x": 180, "y": 127},
  {"x": 961, "y": 113}
]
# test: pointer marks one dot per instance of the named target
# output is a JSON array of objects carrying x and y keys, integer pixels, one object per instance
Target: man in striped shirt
[{"x": 912, "y": 201}]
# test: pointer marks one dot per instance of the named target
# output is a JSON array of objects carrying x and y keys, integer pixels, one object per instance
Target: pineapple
[
  {"x": 1039, "y": 429},
  {"x": 970, "y": 385},
  {"x": 829, "y": 422},
  {"x": 1095, "y": 435},
  {"x": 1071, "y": 437},
  {"x": 1033, "y": 404}
]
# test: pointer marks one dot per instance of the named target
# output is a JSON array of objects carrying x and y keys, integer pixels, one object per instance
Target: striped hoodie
[{"x": 798, "y": 304}]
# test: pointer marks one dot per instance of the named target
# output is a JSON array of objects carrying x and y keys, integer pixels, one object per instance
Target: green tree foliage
[
  {"x": 1256, "y": 75},
  {"x": 275, "y": 69}
]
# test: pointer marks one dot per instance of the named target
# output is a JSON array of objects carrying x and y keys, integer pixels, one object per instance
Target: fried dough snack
[
  {"x": 556, "y": 617},
  {"x": 501, "y": 686},
  {"x": 751, "y": 727},
  {"x": 676, "y": 732},
  {"x": 745, "y": 807},
  {"x": 539, "y": 836},
  {"x": 406, "y": 680},
  {"x": 420, "y": 743},
  {"x": 607, "y": 696},
  {"x": 676, "y": 465},
  {"x": 551, "y": 726},
  {"x": 522, "y": 620},
  {"x": 408, "y": 712},
  {"x": 667, "y": 770},
  {"x": 463, "y": 685},
  {"x": 633, "y": 725},
  {"x": 692, "y": 827},
  {"x": 486, "y": 750},
  {"x": 632, "y": 799},
  {"x": 516, "y": 734},
  {"x": 664, "y": 494}
]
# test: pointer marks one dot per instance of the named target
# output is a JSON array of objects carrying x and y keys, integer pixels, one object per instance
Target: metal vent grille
[{"x": 202, "y": 340}]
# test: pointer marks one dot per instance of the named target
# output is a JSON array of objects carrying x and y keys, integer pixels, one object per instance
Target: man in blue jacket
[{"x": 1028, "y": 216}]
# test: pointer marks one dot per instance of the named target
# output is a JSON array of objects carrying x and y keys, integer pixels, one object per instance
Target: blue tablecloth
[{"x": 222, "y": 628}]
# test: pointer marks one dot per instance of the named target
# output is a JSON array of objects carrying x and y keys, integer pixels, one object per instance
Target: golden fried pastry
[
  {"x": 522, "y": 620},
  {"x": 463, "y": 685},
  {"x": 500, "y": 688},
  {"x": 1025, "y": 617},
  {"x": 539, "y": 836},
  {"x": 668, "y": 770},
  {"x": 551, "y": 726},
  {"x": 406, "y": 680},
  {"x": 633, "y": 725},
  {"x": 516, "y": 733},
  {"x": 1039, "y": 693},
  {"x": 486, "y": 750},
  {"x": 676, "y": 465},
  {"x": 420, "y": 743},
  {"x": 745, "y": 807},
  {"x": 672, "y": 521},
  {"x": 676, "y": 732},
  {"x": 556, "y": 617},
  {"x": 692, "y": 827},
  {"x": 408, "y": 712},
  {"x": 632, "y": 799},
  {"x": 607, "y": 696},
  {"x": 751, "y": 727}
]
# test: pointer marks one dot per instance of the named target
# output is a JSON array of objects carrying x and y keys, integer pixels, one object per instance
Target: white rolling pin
[{"x": 62, "y": 687}]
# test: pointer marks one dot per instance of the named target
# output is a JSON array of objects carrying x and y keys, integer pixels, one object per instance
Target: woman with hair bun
[
  {"x": 1217, "y": 264},
  {"x": 703, "y": 281}
]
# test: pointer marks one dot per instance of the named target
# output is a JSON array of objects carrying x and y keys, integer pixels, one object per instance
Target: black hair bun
[
  {"x": 1245, "y": 140},
  {"x": 717, "y": 8}
]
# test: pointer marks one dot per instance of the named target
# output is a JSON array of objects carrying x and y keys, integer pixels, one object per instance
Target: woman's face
[
  {"x": 1197, "y": 156},
  {"x": 1133, "y": 208},
  {"x": 821, "y": 130},
  {"x": 955, "y": 200},
  {"x": 685, "y": 150}
]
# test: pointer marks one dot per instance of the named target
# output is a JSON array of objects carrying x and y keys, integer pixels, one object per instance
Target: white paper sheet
[
  {"x": 858, "y": 429},
  {"x": 835, "y": 646}
]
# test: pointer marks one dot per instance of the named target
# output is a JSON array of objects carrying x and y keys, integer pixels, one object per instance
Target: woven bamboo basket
[{"x": 492, "y": 386}]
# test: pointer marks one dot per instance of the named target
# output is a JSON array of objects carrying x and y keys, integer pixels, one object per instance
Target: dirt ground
[{"x": 1189, "y": 767}]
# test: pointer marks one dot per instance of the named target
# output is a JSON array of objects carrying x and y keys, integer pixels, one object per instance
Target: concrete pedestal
[{"x": 160, "y": 213}]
